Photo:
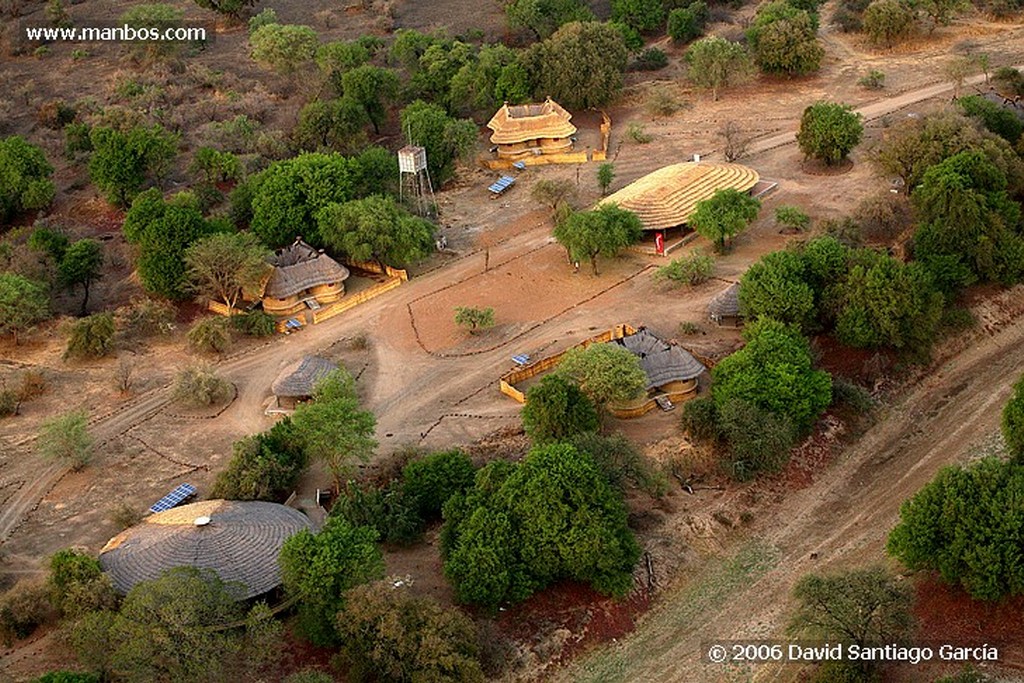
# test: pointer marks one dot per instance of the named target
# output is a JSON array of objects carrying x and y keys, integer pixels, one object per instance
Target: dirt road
[{"x": 843, "y": 518}]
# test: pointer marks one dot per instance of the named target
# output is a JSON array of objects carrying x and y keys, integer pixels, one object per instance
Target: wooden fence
[
  {"x": 353, "y": 300},
  {"x": 222, "y": 309},
  {"x": 374, "y": 267}
]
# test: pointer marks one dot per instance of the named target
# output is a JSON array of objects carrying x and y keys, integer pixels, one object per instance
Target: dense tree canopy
[
  {"x": 544, "y": 17},
  {"x": 283, "y": 48},
  {"x": 1013, "y": 422},
  {"x": 429, "y": 482},
  {"x": 318, "y": 569},
  {"x": 557, "y": 409},
  {"x": 375, "y": 229},
  {"x": 446, "y": 139},
  {"x": 263, "y": 466},
  {"x": 966, "y": 525},
  {"x": 642, "y": 15},
  {"x": 605, "y": 231},
  {"x": 783, "y": 40},
  {"x": 495, "y": 76},
  {"x": 580, "y": 65},
  {"x": 715, "y": 63},
  {"x": 122, "y": 161},
  {"x": 724, "y": 215},
  {"x": 25, "y": 182},
  {"x": 1000, "y": 120},
  {"x": 373, "y": 88},
  {"x": 23, "y": 303},
  {"x": 607, "y": 373},
  {"x": 522, "y": 527}
]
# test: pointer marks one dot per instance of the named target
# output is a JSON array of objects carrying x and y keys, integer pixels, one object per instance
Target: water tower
[{"x": 415, "y": 177}]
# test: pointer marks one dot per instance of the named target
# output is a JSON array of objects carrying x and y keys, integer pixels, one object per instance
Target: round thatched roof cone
[{"x": 238, "y": 540}]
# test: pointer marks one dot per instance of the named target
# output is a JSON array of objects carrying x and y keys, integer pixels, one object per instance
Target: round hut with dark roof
[
  {"x": 303, "y": 277},
  {"x": 239, "y": 540},
  {"x": 724, "y": 307},
  {"x": 298, "y": 380}
]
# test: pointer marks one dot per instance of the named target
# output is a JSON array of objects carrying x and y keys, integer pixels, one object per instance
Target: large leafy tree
[
  {"x": 1013, "y": 422},
  {"x": 715, "y": 63},
  {"x": 724, "y": 215},
  {"x": 25, "y": 182},
  {"x": 557, "y": 409},
  {"x": 642, "y": 15},
  {"x": 829, "y": 131},
  {"x": 774, "y": 372},
  {"x": 23, "y": 303},
  {"x": 318, "y": 569},
  {"x": 966, "y": 525},
  {"x": 263, "y": 466},
  {"x": 580, "y": 65},
  {"x": 544, "y": 17},
  {"x": 605, "y": 231},
  {"x": 338, "y": 57},
  {"x": 373, "y": 88},
  {"x": 783, "y": 40},
  {"x": 81, "y": 264},
  {"x": 446, "y": 139},
  {"x": 224, "y": 265},
  {"x": 283, "y": 47},
  {"x": 522, "y": 527},
  {"x": 607, "y": 373},
  {"x": 163, "y": 230},
  {"x": 776, "y": 287},
  {"x": 428, "y": 482},
  {"x": 377, "y": 229},
  {"x": 496, "y": 76},
  {"x": 77, "y": 584},
  {"x": 122, "y": 161},
  {"x": 888, "y": 21},
  {"x": 336, "y": 125}
]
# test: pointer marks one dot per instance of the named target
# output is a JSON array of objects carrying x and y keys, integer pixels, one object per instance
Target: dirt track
[{"x": 844, "y": 518}]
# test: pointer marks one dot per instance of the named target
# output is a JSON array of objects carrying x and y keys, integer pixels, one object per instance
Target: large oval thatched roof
[
  {"x": 240, "y": 542},
  {"x": 668, "y": 197},
  {"x": 523, "y": 122}
]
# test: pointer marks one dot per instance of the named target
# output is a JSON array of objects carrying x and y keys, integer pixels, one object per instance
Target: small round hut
[
  {"x": 724, "y": 307},
  {"x": 298, "y": 380},
  {"x": 239, "y": 540}
]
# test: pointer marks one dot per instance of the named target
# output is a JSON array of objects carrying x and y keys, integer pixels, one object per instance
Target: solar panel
[
  {"x": 520, "y": 165},
  {"x": 174, "y": 498},
  {"x": 504, "y": 182},
  {"x": 521, "y": 359}
]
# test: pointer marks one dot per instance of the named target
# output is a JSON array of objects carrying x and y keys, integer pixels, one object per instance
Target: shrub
[
  {"x": 621, "y": 462},
  {"x": 254, "y": 324},
  {"x": 23, "y": 608},
  {"x": 387, "y": 510},
  {"x": 66, "y": 439},
  {"x": 212, "y": 166},
  {"x": 693, "y": 269},
  {"x": 210, "y": 335},
  {"x": 759, "y": 440},
  {"x": 25, "y": 173},
  {"x": 68, "y": 677},
  {"x": 637, "y": 133},
  {"x": 263, "y": 466},
  {"x": 687, "y": 23},
  {"x": 264, "y": 17},
  {"x": 856, "y": 397},
  {"x": 77, "y": 585},
  {"x": 888, "y": 21},
  {"x": 310, "y": 676},
  {"x": 792, "y": 218},
  {"x": 90, "y": 337},
  {"x": 146, "y": 317},
  {"x": 829, "y": 131},
  {"x": 652, "y": 59},
  {"x": 700, "y": 419},
  {"x": 883, "y": 216},
  {"x": 872, "y": 80},
  {"x": 1013, "y": 422},
  {"x": 199, "y": 385},
  {"x": 430, "y": 481},
  {"x": 1002, "y": 121},
  {"x": 555, "y": 409},
  {"x": 123, "y": 515},
  {"x": 473, "y": 318}
]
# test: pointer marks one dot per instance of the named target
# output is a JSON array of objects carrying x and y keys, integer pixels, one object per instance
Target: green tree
[
  {"x": 333, "y": 429},
  {"x": 715, "y": 63},
  {"x": 447, "y": 140},
  {"x": 829, "y": 131},
  {"x": 285, "y": 48},
  {"x": 163, "y": 230},
  {"x": 605, "y": 231},
  {"x": 429, "y": 482},
  {"x": 966, "y": 525},
  {"x": 66, "y": 439},
  {"x": 605, "y": 176},
  {"x": 522, "y": 527},
  {"x": 25, "y": 183},
  {"x": 210, "y": 335},
  {"x": 864, "y": 607},
  {"x": 580, "y": 65},
  {"x": 230, "y": 8},
  {"x": 553, "y": 193},
  {"x": 607, "y": 373},
  {"x": 263, "y": 466},
  {"x": 474, "y": 318},
  {"x": 724, "y": 215},
  {"x": 373, "y": 88},
  {"x": 53, "y": 243},
  {"x": 387, "y": 633},
  {"x": 91, "y": 336},
  {"x": 377, "y": 229},
  {"x": 557, "y": 409},
  {"x": 23, "y": 303},
  {"x": 122, "y": 161},
  {"x": 224, "y": 265},
  {"x": 199, "y": 385},
  {"x": 1000, "y": 120},
  {"x": 544, "y": 17},
  {"x": 153, "y": 15},
  {"x": 792, "y": 218},
  {"x": 783, "y": 40},
  {"x": 335, "y": 125},
  {"x": 339, "y": 56},
  {"x": 888, "y": 21},
  {"x": 81, "y": 264},
  {"x": 776, "y": 287},
  {"x": 1013, "y": 422},
  {"x": 495, "y": 76},
  {"x": 644, "y": 16},
  {"x": 319, "y": 569},
  {"x": 213, "y": 166},
  {"x": 774, "y": 372},
  {"x": 77, "y": 584}
]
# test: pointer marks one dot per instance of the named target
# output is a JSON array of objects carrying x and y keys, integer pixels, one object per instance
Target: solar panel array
[
  {"x": 504, "y": 182},
  {"x": 174, "y": 498}
]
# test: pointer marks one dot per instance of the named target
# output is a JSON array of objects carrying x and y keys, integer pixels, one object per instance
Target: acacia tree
[
  {"x": 81, "y": 264},
  {"x": 715, "y": 63},
  {"x": 25, "y": 182},
  {"x": 554, "y": 193},
  {"x": 226, "y": 264},
  {"x": 607, "y": 373},
  {"x": 829, "y": 131},
  {"x": 604, "y": 231},
  {"x": 580, "y": 65},
  {"x": 724, "y": 215},
  {"x": 474, "y": 318},
  {"x": 23, "y": 303},
  {"x": 557, "y": 409},
  {"x": 66, "y": 439},
  {"x": 377, "y": 229}
]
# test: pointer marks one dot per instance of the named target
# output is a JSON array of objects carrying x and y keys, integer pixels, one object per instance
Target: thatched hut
[
  {"x": 238, "y": 540},
  {"x": 531, "y": 129},
  {"x": 724, "y": 307},
  {"x": 303, "y": 277},
  {"x": 668, "y": 197},
  {"x": 298, "y": 380},
  {"x": 670, "y": 369}
]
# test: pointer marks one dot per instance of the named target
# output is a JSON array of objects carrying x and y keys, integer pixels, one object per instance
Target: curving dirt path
[{"x": 843, "y": 518}]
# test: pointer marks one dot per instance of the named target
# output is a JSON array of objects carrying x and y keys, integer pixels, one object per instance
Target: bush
[
  {"x": 693, "y": 269},
  {"x": 213, "y": 166},
  {"x": 555, "y": 409},
  {"x": 90, "y": 337},
  {"x": 888, "y": 21},
  {"x": 210, "y": 335},
  {"x": 25, "y": 173},
  {"x": 1013, "y": 422},
  {"x": 856, "y": 397},
  {"x": 473, "y": 318},
  {"x": 1010, "y": 81},
  {"x": 254, "y": 324},
  {"x": 884, "y": 216},
  {"x": 263, "y": 466},
  {"x": 146, "y": 317},
  {"x": 652, "y": 59},
  {"x": 200, "y": 386},
  {"x": 309, "y": 675},
  {"x": 387, "y": 510},
  {"x": 635, "y": 131},
  {"x": 700, "y": 419},
  {"x": 430, "y": 481},
  {"x": 872, "y": 80},
  {"x": 23, "y": 608},
  {"x": 68, "y": 677},
  {"x": 1002, "y": 121},
  {"x": 123, "y": 515},
  {"x": 759, "y": 440},
  {"x": 77, "y": 585},
  {"x": 829, "y": 131},
  {"x": 687, "y": 23},
  {"x": 258, "y": 21},
  {"x": 621, "y": 462},
  {"x": 792, "y": 218},
  {"x": 66, "y": 439}
]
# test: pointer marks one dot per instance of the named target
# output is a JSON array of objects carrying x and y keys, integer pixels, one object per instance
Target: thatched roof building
[
  {"x": 663, "y": 363},
  {"x": 299, "y": 267},
  {"x": 523, "y": 129},
  {"x": 724, "y": 307},
  {"x": 299, "y": 379},
  {"x": 238, "y": 540},
  {"x": 668, "y": 197}
]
